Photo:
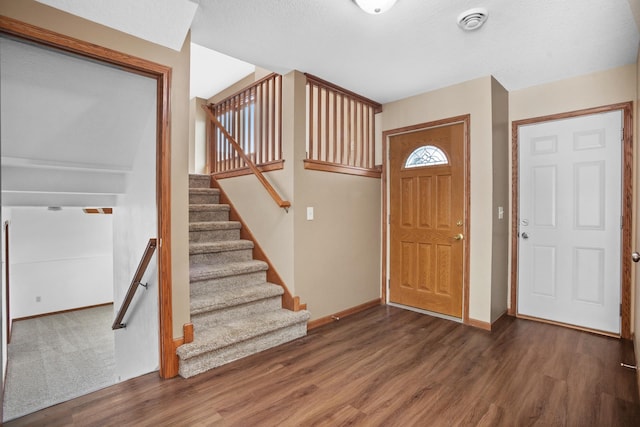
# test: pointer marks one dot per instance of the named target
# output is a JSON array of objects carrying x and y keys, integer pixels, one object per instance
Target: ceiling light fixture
[
  {"x": 472, "y": 19},
  {"x": 375, "y": 7}
]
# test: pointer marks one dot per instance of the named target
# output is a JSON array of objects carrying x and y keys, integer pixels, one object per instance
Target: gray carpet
[{"x": 59, "y": 357}]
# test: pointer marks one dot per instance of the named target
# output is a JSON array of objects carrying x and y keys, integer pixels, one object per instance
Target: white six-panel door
[{"x": 570, "y": 221}]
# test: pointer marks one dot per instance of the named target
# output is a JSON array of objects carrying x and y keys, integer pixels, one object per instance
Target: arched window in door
[{"x": 427, "y": 155}]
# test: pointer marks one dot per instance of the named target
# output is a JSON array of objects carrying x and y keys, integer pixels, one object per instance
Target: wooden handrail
[
  {"x": 272, "y": 192},
  {"x": 137, "y": 277}
]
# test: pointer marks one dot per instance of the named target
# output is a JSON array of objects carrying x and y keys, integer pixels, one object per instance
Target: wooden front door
[{"x": 427, "y": 197}]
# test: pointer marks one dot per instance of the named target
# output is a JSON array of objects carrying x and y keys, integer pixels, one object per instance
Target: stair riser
[
  {"x": 219, "y": 258},
  {"x": 211, "y": 318},
  {"x": 213, "y": 235},
  {"x": 199, "y": 182},
  {"x": 204, "y": 199},
  {"x": 207, "y": 361},
  {"x": 207, "y": 287},
  {"x": 206, "y": 216}
]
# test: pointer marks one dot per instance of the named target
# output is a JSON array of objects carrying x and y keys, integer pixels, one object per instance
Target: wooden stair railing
[
  {"x": 137, "y": 277},
  {"x": 272, "y": 191}
]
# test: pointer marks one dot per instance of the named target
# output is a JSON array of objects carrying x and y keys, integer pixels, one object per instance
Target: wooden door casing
[{"x": 627, "y": 204}]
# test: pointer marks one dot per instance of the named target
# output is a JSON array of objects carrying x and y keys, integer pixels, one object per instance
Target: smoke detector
[{"x": 472, "y": 19}]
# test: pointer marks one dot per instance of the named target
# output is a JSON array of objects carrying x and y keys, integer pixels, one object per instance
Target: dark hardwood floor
[{"x": 387, "y": 367}]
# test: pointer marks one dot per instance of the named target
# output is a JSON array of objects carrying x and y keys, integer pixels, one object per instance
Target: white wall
[
  {"x": 134, "y": 223},
  {"x": 58, "y": 260}
]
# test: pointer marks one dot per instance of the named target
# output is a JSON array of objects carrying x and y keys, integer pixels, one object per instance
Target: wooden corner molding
[
  {"x": 479, "y": 324},
  {"x": 187, "y": 328}
]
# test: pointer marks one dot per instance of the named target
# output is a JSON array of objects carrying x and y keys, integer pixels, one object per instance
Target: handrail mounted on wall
[{"x": 137, "y": 277}]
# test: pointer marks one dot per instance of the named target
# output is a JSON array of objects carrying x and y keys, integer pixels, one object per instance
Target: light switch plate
[{"x": 309, "y": 213}]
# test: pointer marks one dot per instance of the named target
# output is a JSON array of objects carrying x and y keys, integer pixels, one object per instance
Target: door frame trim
[
  {"x": 386, "y": 135},
  {"x": 627, "y": 202},
  {"x": 162, "y": 75}
]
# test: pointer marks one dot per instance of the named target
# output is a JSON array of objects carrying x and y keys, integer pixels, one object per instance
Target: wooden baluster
[
  {"x": 335, "y": 128},
  {"x": 349, "y": 144},
  {"x": 252, "y": 105},
  {"x": 278, "y": 153},
  {"x": 319, "y": 124},
  {"x": 361, "y": 140},
  {"x": 272, "y": 97},
  {"x": 372, "y": 140},
  {"x": 326, "y": 125},
  {"x": 310, "y": 119}
]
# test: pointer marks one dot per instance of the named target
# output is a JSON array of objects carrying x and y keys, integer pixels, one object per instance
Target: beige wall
[
  {"x": 501, "y": 187},
  {"x": 592, "y": 90},
  {"x": 52, "y": 19},
  {"x": 197, "y": 136},
  {"x": 332, "y": 262},
  {"x": 474, "y": 98}
]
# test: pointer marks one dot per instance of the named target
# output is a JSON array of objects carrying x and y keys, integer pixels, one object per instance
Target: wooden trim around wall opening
[
  {"x": 627, "y": 203},
  {"x": 162, "y": 75},
  {"x": 466, "y": 119},
  {"x": 7, "y": 306}
]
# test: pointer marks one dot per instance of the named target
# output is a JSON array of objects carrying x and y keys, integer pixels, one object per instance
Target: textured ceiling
[
  {"x": 417, "y": 46},
  {"x": 414, "y": 47}
]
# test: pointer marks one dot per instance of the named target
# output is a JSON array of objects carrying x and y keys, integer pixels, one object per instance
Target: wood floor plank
[{"x": 387, "y": 367}]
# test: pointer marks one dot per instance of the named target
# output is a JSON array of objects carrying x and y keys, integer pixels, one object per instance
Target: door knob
[
  {"x": 635, "y": 257},
  {"x": 458, "y": 237},
  {"x": 525, "y": 236}
]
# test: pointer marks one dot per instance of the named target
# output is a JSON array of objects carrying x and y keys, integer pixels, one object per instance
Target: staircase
[{"x": 234, "y": 310}]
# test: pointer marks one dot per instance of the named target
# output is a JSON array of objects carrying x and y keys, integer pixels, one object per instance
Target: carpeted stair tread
[
  {"x": 214, "y": 225},
  {"x": 221, "y": 246},
  {"x": 209, "y": 208},
  {"x": 199, "y": 181},
  {"x": 240, "y": 330},
  {"x": 207, "y": 272},
  {"x": 234, "y": 297},
  {"x": 206, "y": 191}
]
